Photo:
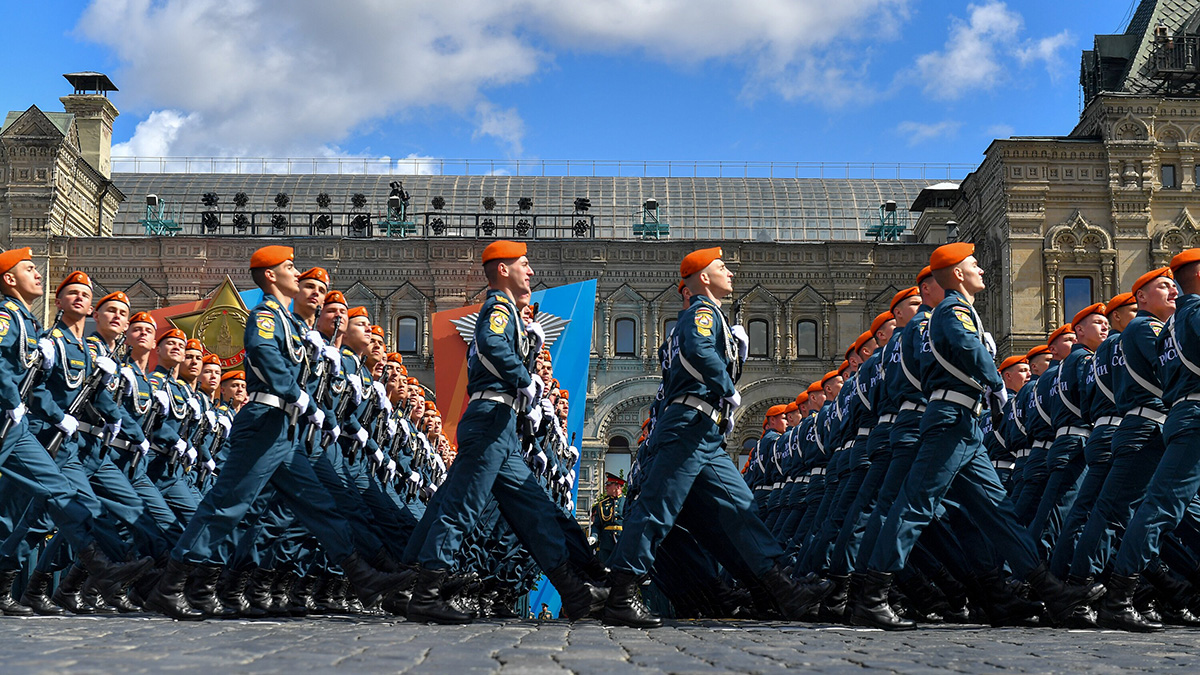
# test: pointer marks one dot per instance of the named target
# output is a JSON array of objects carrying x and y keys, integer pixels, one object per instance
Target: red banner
[{"x": 450, "y": 368}]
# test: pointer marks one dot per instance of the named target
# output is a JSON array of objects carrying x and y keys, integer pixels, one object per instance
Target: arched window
[
  {"x": 806, "y": 338},
  {"x": 406, "y": 335},
  {"x": 760, "y": 338},
  {"x": 625, "y": 337},
  {"x": 617, "y": 459},
  {"x": 668, "y": 326}
]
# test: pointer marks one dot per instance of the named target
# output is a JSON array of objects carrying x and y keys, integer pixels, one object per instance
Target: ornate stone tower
[{"x": 94, "y": 116}]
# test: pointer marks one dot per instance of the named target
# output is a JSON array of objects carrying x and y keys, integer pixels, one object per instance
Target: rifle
[
  {"x": 324, "y": 379},
  {"x": 84, "y": 397},
  {"x": 119, "y": 395},
  {"x": 305, "y": 369},
  {"x": 365, "y": 419},
  {"x": 30, "y": 380}
]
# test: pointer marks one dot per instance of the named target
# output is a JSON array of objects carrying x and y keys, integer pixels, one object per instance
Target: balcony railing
[{"x": 1176, "y": 57}]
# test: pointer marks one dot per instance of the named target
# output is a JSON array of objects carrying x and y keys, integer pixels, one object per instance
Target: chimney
[{"x": 94, "y": 116}]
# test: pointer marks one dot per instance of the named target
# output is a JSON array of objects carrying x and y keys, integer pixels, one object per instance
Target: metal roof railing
[{"x": 408, "y": 166}]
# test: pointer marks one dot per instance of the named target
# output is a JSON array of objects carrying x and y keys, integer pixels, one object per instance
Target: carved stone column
[{"x": 1051, "y": 291}]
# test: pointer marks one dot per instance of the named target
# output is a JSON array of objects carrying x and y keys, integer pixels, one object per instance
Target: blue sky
[{"x": 771, "y": 80}]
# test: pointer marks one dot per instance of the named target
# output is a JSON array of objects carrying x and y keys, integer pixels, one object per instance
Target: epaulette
[
  {"x": 56, "y": 333},
  {"x": 503, "y": 298},
  {"x": 9, "y": 304},
  {"x": 272, "y": 304}
]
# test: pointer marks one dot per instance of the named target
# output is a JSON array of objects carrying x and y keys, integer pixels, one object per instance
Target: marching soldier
[
  {"x": 1014, "y": 370},
  {"x": 233, "y": 390},
  {"x": 1039, "y": 425}
]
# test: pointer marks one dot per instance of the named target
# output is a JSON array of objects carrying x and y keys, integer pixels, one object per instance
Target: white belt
[
  {"x": 1072, "y": 431},
  {"x": 270, "y": 400},
  {"x": 909, "y": 405},
  {"x": 776, "y": 486},
  {"x": 1023, "y": 452},
  {"x": 497, "y": 396},
  {"x": 817, "y": 471},
  {"x": 697, "y": 403},
  {"x": 886, "y": 419},
  {"x": 1040, "y": 445},
  {"x": 1189, "y": 397},
  {"x": 951, "y": 396},
  {"x": 863, "y": 431},
  {"x": 1148, "y": 413},
  {"x": 1004, "y": 464},
  {"x": 1108, "y": 421},
  {"x": 91, "y": 429},
  {"x": 804, "y": 480}
]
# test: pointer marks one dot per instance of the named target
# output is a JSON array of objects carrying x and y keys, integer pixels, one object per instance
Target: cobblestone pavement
[{"x": 138, "y": 644}]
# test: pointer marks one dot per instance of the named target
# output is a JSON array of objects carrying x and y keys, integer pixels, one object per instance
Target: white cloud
[
  {"x": 921, "y": 132},
  {"x": 976, "y": 56},
  {"x": 292, "y": 77},
  {"x": 1000, "y": 131},
  {"x": 155, "y": 135}
]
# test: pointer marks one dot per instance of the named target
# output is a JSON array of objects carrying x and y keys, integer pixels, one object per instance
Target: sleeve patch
[
  {"x": 964, "y": 317},
  {"x": 1156, "y": 327},
  {"x": 266, "y": 325},
  {"x": 5, "y": 324},
  {"x": 498, "y": 321},
  {"x": 704, "y": 322}
]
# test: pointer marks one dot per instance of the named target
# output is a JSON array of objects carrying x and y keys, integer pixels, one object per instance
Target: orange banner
[{"x": 450, "y": 373}]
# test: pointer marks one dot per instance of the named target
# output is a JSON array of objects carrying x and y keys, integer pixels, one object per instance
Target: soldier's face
[
  {"x": 612, "y": 490},
  {"x": 833, "y": 386},
  {"x": 1039, "y": 364},
  {"x": 905, "y": 310},
  {"x": 793, "y": 417},
  {"x": 1061, "y": 346},
  {"x": 816, "y": 399},
  {"x": 210, "y": 377},
  {"x": 140, "y": 336},
  {"x": 312, "y": 295},
  {"x": 112, "y": 319},
  {"x": 287, "y": 278},
  {"x": 25, "y": 280},
  {"x": 777, "y": 423},
  {"x": 1120, "y": 317},
  {"x": 885, "y": 333},
  {"x": 170, "y": 352},
  {"x": 234, "y": 390},
  {"x": 931, "y": 292},
  {"x": 972, "y": 275},
  {"x": 329, "y": 315},
  {"x": 520, "y": 275},
  {"x": 1092, "y": 330},
  {"x": 358, "y": 335},
  {"x": 720, "y": 278},
  {"x": 1158, "y": 297},
  {"x": 193, "y": 361},
  {"x": 378, "y": 347},
  {"x": 75, "y": 301},
  {"x": 1016, "y": 376}
]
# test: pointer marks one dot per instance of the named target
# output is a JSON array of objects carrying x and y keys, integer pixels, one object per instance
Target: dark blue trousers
[
  {"x": 1065, "y": 463},
  {"x": 1097, "y": 452}
]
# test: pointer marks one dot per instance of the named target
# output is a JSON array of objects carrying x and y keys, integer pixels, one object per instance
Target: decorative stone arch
[
  {"x": 1193, "y": 134},
  {"x": 143, "y": 297},
  {"x": 661, "y": 307},
  {"x": 760, "y": 303},
  {"x": 760, "y": 395},
  {"x": 878, "y": 304},
  {"x": 1129, "y": 128},
  {"x": 607, "y": 403},
  {"x": 1076, "y": 247},
  {"x": 624, "y": 302},
  {"x": 361, "y": 294},
  {"x": 1170, "y": 134},
  {"x": 407, "y": 300},
  {"x": 808, "y": 303},
  {"x": 1182, "y": 233}
]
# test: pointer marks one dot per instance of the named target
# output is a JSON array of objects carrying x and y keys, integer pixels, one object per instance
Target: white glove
[
  {"x": 390, "y": 471},
  {"x": 334, "y": 433},
  {"x": 191, "y": 455},
  {"x": 990, "y": 343},
  {"x": 317, "y": 417},
  {"x": 743, "y": 340},
  {"x": 17, "y": 413},
  {"x": 225, "y": 424},
  {"x": 537, "y": 334},
  {"x": 210, "y": 465},
  {"x": 535, "y": 415},
  {"x": 547, "y": 409},
  {"x": 131, "y": 383},
  {"x": 69, "y": 425},
  {"x": 378, "y": 457},
  {"x": 1001, "y": 396},
  {"x": 330, "y": 354},
  {"x": 414, "y": 477},
  {"x": 539, "y": 462},
  {"x": 392, "y": 427},
  {"x": 573, "y": 451},
  {"x": 194, "y": 404},
  {"x": 108, "y": 366},
  {"x": 164, "y": 401},
  {"x": 533, "y": 391},
  {"x": 211, "y": 418},
  {"x": 361, "y": 436},
  {"x": 734, "y": 400},
  {"x": 303, "y": 401},
  {"x": 180, "y": 448},
  {"x": 46, "y": 347},
  {"x": 315, "y": 339},
  {"x": 356, "y": 384},
  {"x": 144, "y": 447},
  {"x": 111, "y": 430}
]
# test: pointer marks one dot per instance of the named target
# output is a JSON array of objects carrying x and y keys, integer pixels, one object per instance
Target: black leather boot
[
  {"x": 69, "y": 594},
  {"x": 369, "y": 584},
  {"x": 955, "y": 593},
  {"x": 625, "y": 606},
  {"x": 580, "y": 600},
  {"x": 36, "y": 595},
  {"x": 201, "y": 593},
  {"x": 1117, "y": 612},
  {"x": 8, "y": 605},
  {"x": 426, "y": 604},
  {"x": 873, "y": 609},
  {"x": 1173, "y": 595},
  {"x": 794, "y": 599},
  {"x": 833, "y": 607},
  {"x": 299, "y": 601},
  {"x": 258, "y": 592},
  {"x": 999, "y": 603},
  {"x": 923, "y": 597},
  {"x": 168, "y": 597},
  {"x": 323, "y": 593},
  {"x": 1060, "y": 599},
  {"x": 232, "y": 592},
  {"x": 93, "y": 598},
  {"x": 1084, "y": 616},
  {"x": 281, "y": 601},
  {"x": 106, "y": 573}
]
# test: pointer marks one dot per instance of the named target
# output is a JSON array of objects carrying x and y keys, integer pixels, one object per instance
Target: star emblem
[{"x": 220, "y": 326}]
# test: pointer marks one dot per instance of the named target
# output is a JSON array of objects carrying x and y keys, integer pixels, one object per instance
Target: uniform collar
[{"x": 1079, "y": 346}]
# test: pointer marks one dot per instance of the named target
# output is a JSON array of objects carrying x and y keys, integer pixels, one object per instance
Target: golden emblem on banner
[{"x": 221, "y": 326}]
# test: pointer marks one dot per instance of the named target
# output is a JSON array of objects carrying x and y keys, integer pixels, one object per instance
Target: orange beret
[
  {"x": 430, "y": 405},
  {"x": 802, "y": 398},
  {"x": 1185, "y": 258},
  {"x": 564, "y": 394},
  {"x": 698, "y": 260},
  {"x": 115, "y": 296},
  {"x": 270, "y": 256},
  {"x": 553, "y": 382},
  {"x": 1012, "y": 361},
  {"x": 1118, "y": 301},
  {"x": 816, "y": 386},
  {"x": 925, "y": 272},
  {"x": 173, "y": 333},
  {"x": 879, "y": 321},
  {"x": 1037, "y": 351},
  {"x": 335, "y": 298},
  {"x": 74, "y": 278},
  {"x": 404, "y": 370},
  {"x": 902, "y": 296},
  {"x": 377, "y": 330},
  {"x": 143, "y": 317},
  {"x": 829, "y": 376},
  {"x": 949, "y": 255},
  {"x": 503, "y": 250},
  {"x": 1151, "y": 276},
  {"x": 413, "y": 380},
  {"x": 842, "y": 368},
  {"x": 859, "y": 342},
  {"x": 212, "y": 358},
  {"x": 1059, "y": 332},
  {"x": 10, "y": 258},
  {"x": 792, "y": 407},
  {"x": 1082, "y": 314},
  {"x": 356, "y": 312},
  {"x": 194, "y": 344},
  {"x": 233, "y": 375},
  {"x": 317, "y": 273},
  {"x": 679, "y": 287},
  {"x": 394, "y": 357},
  {"x": 776, "y": 410}
]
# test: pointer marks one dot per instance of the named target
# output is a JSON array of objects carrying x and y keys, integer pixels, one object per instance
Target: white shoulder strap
[
  {"x": 1179, "y": 348},
  {"x": 1062, "y": 397},
  {"x": 1108, "y": 394}
]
